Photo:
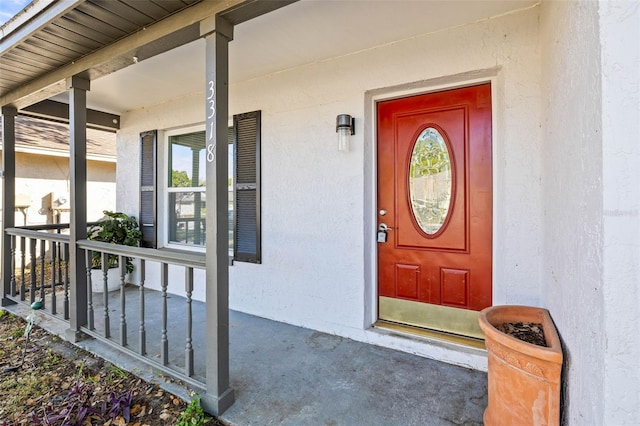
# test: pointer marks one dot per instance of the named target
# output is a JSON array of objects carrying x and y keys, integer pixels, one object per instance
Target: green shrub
[
  {"x": 115, "y": 228},
  {"x": 193, "y": 415}
]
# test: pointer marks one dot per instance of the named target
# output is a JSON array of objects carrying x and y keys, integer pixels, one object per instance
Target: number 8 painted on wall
[{"x": 211, "y": 152}]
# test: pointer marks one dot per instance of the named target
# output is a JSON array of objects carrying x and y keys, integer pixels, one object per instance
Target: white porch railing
[{"x": 41, "y": 271}]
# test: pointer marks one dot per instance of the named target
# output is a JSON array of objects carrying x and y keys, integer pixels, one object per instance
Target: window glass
[
  {"x": 187, "y": 224},
  {"x": 187, "y": 184},
  {"x": 430, "y": 181},
  {"x": 187, "y": 160}
]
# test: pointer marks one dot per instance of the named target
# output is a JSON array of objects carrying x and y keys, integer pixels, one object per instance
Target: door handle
[{"x": 384, "y": 227}]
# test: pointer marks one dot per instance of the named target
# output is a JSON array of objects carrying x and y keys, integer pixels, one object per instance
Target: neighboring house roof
[{"x": 36, "y": 136}]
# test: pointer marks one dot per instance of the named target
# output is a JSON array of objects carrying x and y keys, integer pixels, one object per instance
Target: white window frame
[{"x": 166, "y": 190}]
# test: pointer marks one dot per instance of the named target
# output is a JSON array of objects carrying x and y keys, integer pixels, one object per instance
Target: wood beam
[
  {"x": 78, "y": 88},
  {"x": 59, "y": 111},
  {"x": 8, "y": 197},
  {"x": 252, "y": 9},
  {"x": 219, "y": 395},
  {"x": 123, "y": 51}
]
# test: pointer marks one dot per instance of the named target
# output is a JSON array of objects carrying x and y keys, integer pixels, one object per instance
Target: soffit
[
  {"x": 301, "y": 33},
  {"x": 297, "y": 35},
  {"x": 68, "y": 30}
]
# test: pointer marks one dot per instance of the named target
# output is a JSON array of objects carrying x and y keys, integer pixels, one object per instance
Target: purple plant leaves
[{"x": 79, "y": 404}]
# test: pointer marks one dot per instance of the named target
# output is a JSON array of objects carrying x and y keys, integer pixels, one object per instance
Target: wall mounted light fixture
[{"x": 345, "y": 127}]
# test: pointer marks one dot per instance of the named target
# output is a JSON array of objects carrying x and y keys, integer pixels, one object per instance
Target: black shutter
[
  {"x": 148, "y": 183},
  {"x": 246, "y": 235}
]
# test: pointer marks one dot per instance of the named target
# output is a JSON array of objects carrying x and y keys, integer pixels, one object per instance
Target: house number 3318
[{"x": 211, "y": 113}]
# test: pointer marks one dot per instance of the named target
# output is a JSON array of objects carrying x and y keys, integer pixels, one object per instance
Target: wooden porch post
[
  {"x": 8, "y": 195},
  {"x": 217, "y": 33},
  {"x": 78, "y": 88}
]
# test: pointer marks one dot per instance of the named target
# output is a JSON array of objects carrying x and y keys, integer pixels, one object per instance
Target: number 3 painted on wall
[{"x": 212, "y": 102}]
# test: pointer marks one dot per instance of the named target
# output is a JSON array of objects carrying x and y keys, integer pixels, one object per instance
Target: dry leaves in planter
[{"x": 530, "y": 332}]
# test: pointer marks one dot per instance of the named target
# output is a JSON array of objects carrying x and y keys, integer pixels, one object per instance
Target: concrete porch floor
[{"x": 287, "y": 375}]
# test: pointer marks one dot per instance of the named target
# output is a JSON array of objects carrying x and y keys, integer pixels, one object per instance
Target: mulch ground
[{"x": 57, "y": 377}]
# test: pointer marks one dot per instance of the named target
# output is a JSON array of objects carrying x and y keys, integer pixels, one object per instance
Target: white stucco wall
[
  {"x": 315, "y": 204},
  {"x": 572, "y": 178},
  {"x": 590, "y": 268},
  {"x": 39, "y": 175},
  {"x": 620, "y": 21}
]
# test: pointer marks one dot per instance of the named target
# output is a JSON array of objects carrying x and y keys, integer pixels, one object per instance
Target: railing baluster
[
  {"x": 105, "y": 294},
  {"x": 164, "y": 348},
  {"x": 142, "y": 331},
  {"x": 32, "y": 254},
  {"x": 60, "y": 260},
  {"x": 56, "y": 246},
  {"x": 23, "y": 254},
  {"x": 13, "y": 266},
  {"x": 88, "y": 255},
  {"x": 43, "y": 250},
  {"x": 188, "y": 353},
  {"x": 54, "y": 260},
  {"x": 123, "y": 313},
  {"x": 65, "y": 282}
]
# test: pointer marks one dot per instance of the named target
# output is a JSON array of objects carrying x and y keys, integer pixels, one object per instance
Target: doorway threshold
[{"x": 430, "y": 334}]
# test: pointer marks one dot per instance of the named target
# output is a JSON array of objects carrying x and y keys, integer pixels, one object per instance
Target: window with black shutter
[
  {"x": 186, "y": 184},
  {"x": 246, "y": 194},
  {"x": 148, "y": 183}
]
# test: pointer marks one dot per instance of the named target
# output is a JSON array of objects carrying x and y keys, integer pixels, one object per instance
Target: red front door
[{"x": 435, "y": 200}]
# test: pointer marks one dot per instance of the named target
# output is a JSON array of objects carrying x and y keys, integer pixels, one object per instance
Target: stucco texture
[
  {"x": 316, "y": 202},
  {"x": 38, "y": 175},
  {"x": 621, "y": 207},
  {"x": 590, "y": 274},
  {"x": 566, "y": 200},
  {"x": 314, "y": 205}
]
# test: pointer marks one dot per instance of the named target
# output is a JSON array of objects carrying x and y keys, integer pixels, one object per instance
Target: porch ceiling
[
  {"x": 301, "y": 33},
  {"x": 47, "y": 36}
]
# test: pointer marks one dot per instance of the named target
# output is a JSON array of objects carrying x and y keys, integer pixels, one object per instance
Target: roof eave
[
  {"x": 60, "y": 153},
  {"x": 31, "y": 19},
  {"x": 109, "y": 58}
]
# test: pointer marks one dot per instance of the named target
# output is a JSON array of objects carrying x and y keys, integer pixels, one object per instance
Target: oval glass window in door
[{"x": 430, "y": 181}]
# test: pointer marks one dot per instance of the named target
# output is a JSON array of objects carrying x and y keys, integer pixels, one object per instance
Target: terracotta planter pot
[{"x": 524, "y": 379}]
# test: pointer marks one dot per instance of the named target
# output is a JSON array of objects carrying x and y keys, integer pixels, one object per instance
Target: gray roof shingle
[{"x": 36, "y": 133}]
